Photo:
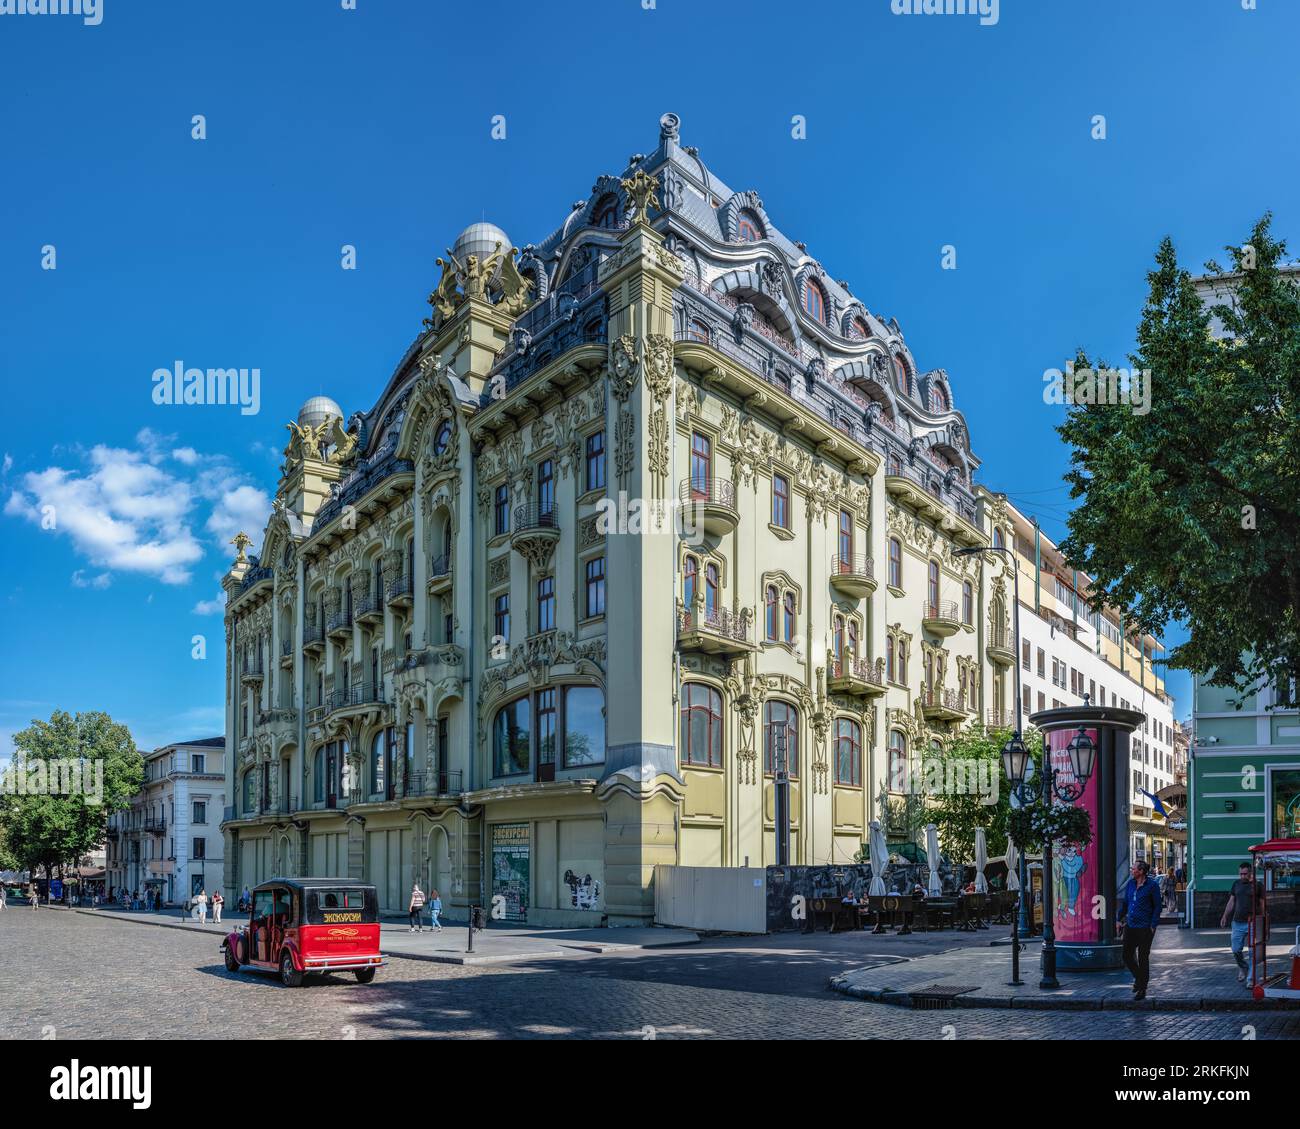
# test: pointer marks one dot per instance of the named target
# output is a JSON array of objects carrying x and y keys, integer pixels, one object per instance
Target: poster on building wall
[{"x": 511, "y": 863}]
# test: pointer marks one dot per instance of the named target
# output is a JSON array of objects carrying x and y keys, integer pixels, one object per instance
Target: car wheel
[
  {"x": 290, "y": 977},
  {"x": 365, "y": 975},
  {"x": 232, "y": 965}
]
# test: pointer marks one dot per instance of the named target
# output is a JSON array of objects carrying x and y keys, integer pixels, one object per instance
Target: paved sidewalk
[
  {"x": 495, "y": 945},
  {"x": 1190, "y": 971}
]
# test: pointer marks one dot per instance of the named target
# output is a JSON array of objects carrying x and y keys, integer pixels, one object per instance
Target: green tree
[
  {"x": 47, "y": 831},
  {"x": 973, "y": 756},
  {"x": 1191, "y": 511}
]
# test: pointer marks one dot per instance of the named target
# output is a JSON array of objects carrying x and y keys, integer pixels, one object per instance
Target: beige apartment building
[{"x": 646, "y": 511}]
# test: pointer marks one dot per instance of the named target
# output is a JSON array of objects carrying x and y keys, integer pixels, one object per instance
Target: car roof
[{"x": 313, "y": 883}]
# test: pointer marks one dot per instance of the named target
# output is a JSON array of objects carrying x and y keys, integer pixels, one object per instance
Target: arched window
[
  {"x": 895, "y": 562},
  {"x": 859, "y": 330},
  {"x": 901, "y": 378},
  {"x": 846, "y": 539},
  {"x": 605, "y": 213},
  {"x": 749, "y": 229},
  {"x": 848, "y": 752},
  {"x": 900, "y": 661},
  {"x": 938, "y": 398},
  {"x": 780, "y": 727},
  {"x": 895, "y": 464},
  {"x": 411, "y": 764},
  {"x": 697, "y": 330},
  {"x": 853, "y": 639},
  {"x": 692, "y": 579},
  {"x": 250, "y": 790},
  {"x": 318, "y": 777},
  {"x": 838, "y": 638},
  {"x": 701, "y": 725},
  {"x": 932, "y": 588},
  {"x": 787, "y": 620},
  {"x": 897, "y": 762},
  {"x": 510, "y": 739},
  {"x": 379, "y": 763},
  {"x": 997, "y": 537},
  {"x": 814, "y": 301},
  {"x": 889, "y": 657},
  {"x": 771, "y": 609},
  {"x": 967, "y": 603},
  {"x": 711, "y": 592}
]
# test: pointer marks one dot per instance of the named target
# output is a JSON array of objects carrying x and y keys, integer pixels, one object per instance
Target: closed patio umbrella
[
  {"x": 935, "y": 887},
  {"x": 981, "y": 861},
  {"x": 879, "y": 860},
  {"x": 1012, "y": 859}
]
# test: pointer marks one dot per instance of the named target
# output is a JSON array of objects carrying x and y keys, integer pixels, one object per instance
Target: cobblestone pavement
[{"x": 90, "y": 978}]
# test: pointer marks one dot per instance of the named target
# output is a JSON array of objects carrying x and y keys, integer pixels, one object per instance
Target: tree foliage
[
  {"x": 46, "y": 831},
  {"x": 1191, "y": 512}
]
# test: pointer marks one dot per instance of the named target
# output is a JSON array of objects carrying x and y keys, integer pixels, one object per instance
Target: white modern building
[{"x": 170, "y": 837}]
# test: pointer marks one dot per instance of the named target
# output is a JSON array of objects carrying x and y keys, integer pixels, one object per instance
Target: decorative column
[{"x": 641, "y": 788}]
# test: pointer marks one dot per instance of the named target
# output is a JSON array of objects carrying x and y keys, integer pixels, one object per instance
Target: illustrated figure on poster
[
  {"x": 585, "y": 890},
  {"x": 1070, "y": 866}
]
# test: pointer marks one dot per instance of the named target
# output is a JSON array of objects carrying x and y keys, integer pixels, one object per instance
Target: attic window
[
  {"x": 859, "y": 330},
  {"x": 605, "y": 213},
  {"x": 749, "y": 229},
  {"x": 814, "y": 301}
]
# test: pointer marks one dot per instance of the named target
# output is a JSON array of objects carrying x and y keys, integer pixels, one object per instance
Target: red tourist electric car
[{"x": 302, "y": 925}]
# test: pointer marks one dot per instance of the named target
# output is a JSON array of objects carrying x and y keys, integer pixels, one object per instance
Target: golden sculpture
[
  {"x": 344, "y": 442},
  {"x": 241, "y": 541},
  {"x": 640, "y": 190}
]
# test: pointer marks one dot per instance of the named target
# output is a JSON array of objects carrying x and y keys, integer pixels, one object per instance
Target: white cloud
[
  {"x": 211, "y": 607},
  {"x": 8, "y": 463},
  {"x": 125, "y": 511},
  {"x": 80, "y": 580}
]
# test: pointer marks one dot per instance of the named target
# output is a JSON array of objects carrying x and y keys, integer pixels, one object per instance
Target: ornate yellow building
[{"x": 644, "y": 509}]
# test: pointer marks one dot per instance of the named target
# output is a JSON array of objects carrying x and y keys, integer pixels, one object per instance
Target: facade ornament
[
  {"x": 624, "y": 445},
  {"x": 623, "y": 365},
  {"x": 241, "y": 541},
  {"x": 640, "y": 189},
  {"x": 669, "y": 127},
  {"x": 742, "y": 319}
]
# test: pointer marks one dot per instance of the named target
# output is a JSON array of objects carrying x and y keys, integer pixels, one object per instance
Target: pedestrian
[
  {"x": 217, "y": 902},
  {"x": 1139, "y": 914},
  {"x": 1244, "y": 899},
  {"x": 245, "y": 901},
  {"x": 201, "y": 907},
  {"x": 33, "y": 897},
  {"x": 435, "y": 909},
  {"x": 416, "y": 908}
]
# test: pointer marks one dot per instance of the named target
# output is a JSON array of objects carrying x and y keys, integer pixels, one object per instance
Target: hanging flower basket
[{"x": 1030, "y": 827}]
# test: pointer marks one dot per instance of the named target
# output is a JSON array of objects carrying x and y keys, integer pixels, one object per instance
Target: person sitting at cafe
[
  {"x": 918, "y": 891},
  {"x": 970, "y": 888}
]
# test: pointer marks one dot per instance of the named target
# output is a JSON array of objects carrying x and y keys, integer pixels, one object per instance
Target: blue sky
[{"x": 371, "y": 127}]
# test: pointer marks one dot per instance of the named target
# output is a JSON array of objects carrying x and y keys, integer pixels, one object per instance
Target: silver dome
[
  {"x": 317, "y": 410},
  {"x": 480, "y": 239}
]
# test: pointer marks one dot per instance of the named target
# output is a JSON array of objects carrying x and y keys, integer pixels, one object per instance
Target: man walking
[
  {"x": 1139, "y": 913},
  {"x": 416, "y": 909},
  {"x": 1243, "y": 902}
]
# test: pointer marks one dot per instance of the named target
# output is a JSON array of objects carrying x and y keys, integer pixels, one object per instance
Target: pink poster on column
[{"x": 1075, "y": 869}]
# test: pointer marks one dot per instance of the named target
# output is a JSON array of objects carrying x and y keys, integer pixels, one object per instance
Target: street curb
[
  {"x": 903, "y": 998},
  {"x": 475, "y": 958}
]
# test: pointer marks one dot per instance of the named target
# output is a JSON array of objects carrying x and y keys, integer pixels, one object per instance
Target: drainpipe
[{"x": 1038, "y": 566}]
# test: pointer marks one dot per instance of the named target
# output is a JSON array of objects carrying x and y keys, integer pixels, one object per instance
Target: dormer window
[
  {"x": 605, "y": 213},
  {"x": 749, "y": 228},
  {"x": 859, "y": 330},
  {"x": 938, "y": 398},
  {"x": 901, "y": 378},
  {"x": 814, "y": 301}
]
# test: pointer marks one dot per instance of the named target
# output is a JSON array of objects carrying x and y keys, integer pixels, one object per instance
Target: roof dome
[
  {"x": 480, "y": 239},
  {"x": 317, "y": 410}
]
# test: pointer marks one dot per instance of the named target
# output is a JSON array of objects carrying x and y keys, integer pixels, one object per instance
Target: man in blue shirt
[{"x": 1139, "y": 914}]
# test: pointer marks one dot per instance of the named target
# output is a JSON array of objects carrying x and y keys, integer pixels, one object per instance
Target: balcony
[
  {"x": 857, "y": 677},
  {"x": 313, "y": 638},
  {"x": 854, "y": 577},
  {"x": 999, "y": 718},
  {"x": 252, "y": 674},
  {"x": 339, "y": 627},
  {"x": 400, "y": 592},
  {"x": 360, "y": 695},
  {"x": 942, "y": 619},
  {"x": 434, "y": 784},
  {"x": 712, "y": 502},
  {"x": 718, "y": 632},
  {"x": 154, "y": 826},
  {"x": 440, "y": 575},
  {"x": 942, "y": 705},
  {"x": 1000, "y": 649},
  {"x": 368, "y": 609},
  {"x": 286, "y": 655},
  {"x": 536, "y": 531}
]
